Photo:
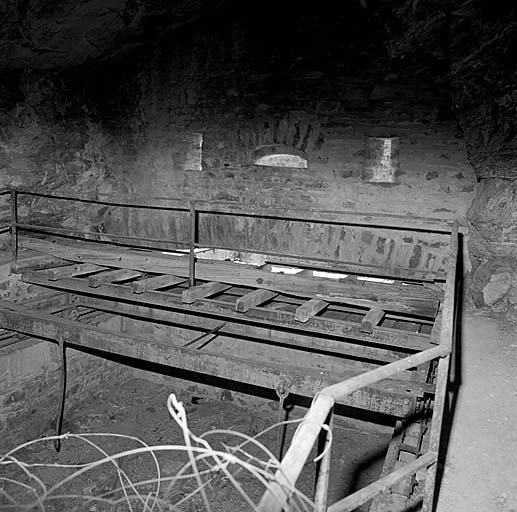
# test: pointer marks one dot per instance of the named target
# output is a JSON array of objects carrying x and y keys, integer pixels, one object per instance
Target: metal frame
[{"x": 278, "y": 493}]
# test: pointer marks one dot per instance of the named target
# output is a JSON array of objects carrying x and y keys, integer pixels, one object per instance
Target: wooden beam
[
  {"x": 416, "y": 300},
  {"x": 37, "y": 263},
  {"x": 309, "y": 309},
  {"x": 73, "y": 270},
  {"x": 112, "y": 276},
  {"x": 371, "y": 320},
  {"x": 262, "y": 333},
  {"x": 437, "y": 327},
  {"x": 157, "y": 282},
  {"x": 381, "y": 336},
  {"x": 331, "y": 216},
  {"x": 304, "y": 381},
  {"x": 203, "y": 291},
  {"x": 253, "y": 299}
]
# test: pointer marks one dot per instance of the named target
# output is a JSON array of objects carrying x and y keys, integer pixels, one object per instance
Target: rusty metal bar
[
  {"x": 338, "y": 391},
  {"x": 103, "y": 237},
  {"x": 192, "y": 244},
  {"x": 350, "y": 503},
  {"x": 399, "y": 222},
  {"x": 14, "y": 227}
]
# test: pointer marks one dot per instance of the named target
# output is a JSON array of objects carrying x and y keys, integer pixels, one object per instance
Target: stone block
[{"x": 497, "y": 288}]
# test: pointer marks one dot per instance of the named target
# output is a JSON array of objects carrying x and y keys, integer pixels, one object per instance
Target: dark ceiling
[
  {"x": 469, "y": 44},
  {"x": 41, "y": 34}
]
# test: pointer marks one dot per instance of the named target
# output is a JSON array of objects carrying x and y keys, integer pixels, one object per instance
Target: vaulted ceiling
[{"x": 470, "y": 44}]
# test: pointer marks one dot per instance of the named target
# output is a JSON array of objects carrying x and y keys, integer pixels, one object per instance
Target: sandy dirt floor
[{"x": 480, "y": 473}]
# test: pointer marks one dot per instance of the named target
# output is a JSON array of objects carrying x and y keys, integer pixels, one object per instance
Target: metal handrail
[
  {"x": 405, "y": 222},
  {"x": 195, "y": 208}
]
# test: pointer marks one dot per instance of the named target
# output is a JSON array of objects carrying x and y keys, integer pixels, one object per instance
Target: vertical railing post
[
  {"x": 14, "y": 227},
  {"x": 447, "y": 329},
  {"x": 192, "y": 244},
  {"x": 323, "y": 467}
]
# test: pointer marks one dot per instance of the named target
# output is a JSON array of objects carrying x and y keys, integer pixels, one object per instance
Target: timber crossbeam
[
  {"x": 380, "y": 337},
  {"x": 304, "y": 381}
]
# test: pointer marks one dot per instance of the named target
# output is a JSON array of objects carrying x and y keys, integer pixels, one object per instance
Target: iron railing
[
  {"x": 195, "y": 208},
  {"x": 279, "y": 491}
]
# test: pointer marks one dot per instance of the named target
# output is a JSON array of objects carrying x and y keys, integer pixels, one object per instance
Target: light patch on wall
[
  {"x": 382, "y": 159},
  {"x": 329, "y": 275},
  {"x": 375, "y": 279},
  {"x": 279, "y": 155},
  {"x": 193, "y": 146},
  {"x": 285, "y": 270}
]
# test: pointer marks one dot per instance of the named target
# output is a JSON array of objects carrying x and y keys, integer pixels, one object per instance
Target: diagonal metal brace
[{"x": 207, "y": 336}]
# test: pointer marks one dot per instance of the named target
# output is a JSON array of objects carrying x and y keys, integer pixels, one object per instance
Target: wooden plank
[
  {"x": 203, "y": 291},
  {"x": 304, "y": 381},
  {"x": 73, "y": 270},
  {"x": 415, "y": 301},
  {"x": 37, "y": 263},
  {"x": 309, "y": 309},
  {"x": 285, "y": 300},
  {"x": 381, "y": 336},
  {"x": 437, "y": 327},
  {"x": 253, "y": 299},
  {"x": 156, "y": 282},
  {"x": 372, "y": 319},
  {"x": 112, "y": 276}
]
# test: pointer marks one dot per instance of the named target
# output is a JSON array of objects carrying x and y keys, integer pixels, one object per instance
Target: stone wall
[
  {"x": 216, "y": 81},
  {"x": 30, "y": 376},
  {"x": 493, "y": 244},
  {"x": 474, "y": 43},
  {"x": 120, "y": 127},
  {"x": 48, "y": 143},
  {"x": 30, "y": 392}
]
